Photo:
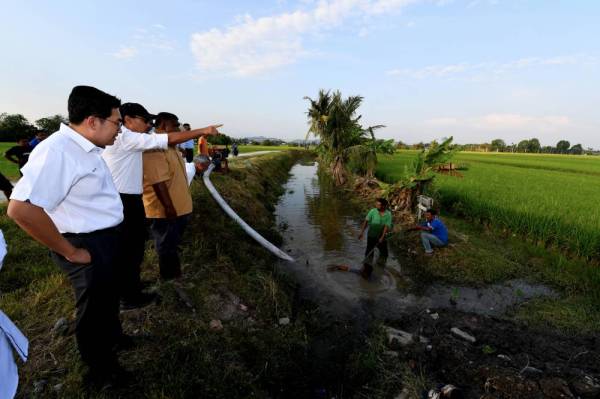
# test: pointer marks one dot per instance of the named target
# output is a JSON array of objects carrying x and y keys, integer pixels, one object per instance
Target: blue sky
[{"x": 474, "y": 69}]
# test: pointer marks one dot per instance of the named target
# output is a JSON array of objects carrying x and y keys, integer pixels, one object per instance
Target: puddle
[{"x": 320, "y": 229}]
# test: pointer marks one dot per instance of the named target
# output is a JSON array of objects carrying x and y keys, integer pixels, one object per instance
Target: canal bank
[
  {"x": 241, "y": 324},
  {"x": 470, "y": 333},
  {"x": 233, "y": 327}
]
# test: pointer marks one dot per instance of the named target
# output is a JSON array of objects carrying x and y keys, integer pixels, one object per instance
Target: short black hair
[
  {"x": 85, "y": 101},
  {"x": 432, "y": 211},
  {"x": 383, "y": 202},
  {"x": 186, "y": 124},
  {"x": 164, "y": 116}
]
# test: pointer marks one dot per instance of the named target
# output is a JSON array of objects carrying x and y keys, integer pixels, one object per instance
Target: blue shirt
[
  {"x": 439, "y": 230},
  {"x": 35, "y": 141}
]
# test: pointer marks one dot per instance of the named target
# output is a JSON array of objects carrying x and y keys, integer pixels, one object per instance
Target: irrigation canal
[{"x": 320, "y": 229}]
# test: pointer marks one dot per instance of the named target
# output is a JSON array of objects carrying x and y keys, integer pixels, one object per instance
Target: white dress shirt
[
  {"x": 11, "y": 339},
  {"x": 124, "y": 158},
  {"x": 67, "y": 177}
]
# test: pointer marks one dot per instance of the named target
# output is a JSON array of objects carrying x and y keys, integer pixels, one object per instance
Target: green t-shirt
[{"x": 377, "y": 222}]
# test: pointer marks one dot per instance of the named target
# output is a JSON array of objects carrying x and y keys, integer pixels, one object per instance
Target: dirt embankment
[
  {"x": 233, "y": 328},
  {"x": 220, "y": 333},
  {"x": 497, "y": 358},
  {"x": 487, "y": 357}
]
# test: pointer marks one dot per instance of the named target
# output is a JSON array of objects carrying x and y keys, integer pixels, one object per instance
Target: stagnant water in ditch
[{"x": 320, "y": 229}]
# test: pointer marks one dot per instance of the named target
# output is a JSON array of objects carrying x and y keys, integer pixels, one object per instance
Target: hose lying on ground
[{"x": 260, "y": 239}]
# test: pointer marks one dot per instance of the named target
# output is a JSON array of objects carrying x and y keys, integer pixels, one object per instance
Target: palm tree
[
  {"x": 364, "y": 155},
  {"x": 318, "y": 113},
  {"x": 335, "y": 122}
]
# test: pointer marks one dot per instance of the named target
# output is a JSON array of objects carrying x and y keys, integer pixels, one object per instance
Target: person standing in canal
[{"x": 379, "y": 223}]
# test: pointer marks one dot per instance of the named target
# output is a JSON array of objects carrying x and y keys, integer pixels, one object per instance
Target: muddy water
[{"x": 320, "y": 229}]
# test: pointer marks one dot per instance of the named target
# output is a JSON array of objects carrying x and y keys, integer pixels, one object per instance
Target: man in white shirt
[
  {"x": 188, "y": 146},
  {"x": 124, "y": 159},
  {"x": 67, "y": 200}
]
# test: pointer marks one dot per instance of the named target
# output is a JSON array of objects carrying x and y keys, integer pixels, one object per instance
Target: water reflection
[{"x": 320, "y": 227}]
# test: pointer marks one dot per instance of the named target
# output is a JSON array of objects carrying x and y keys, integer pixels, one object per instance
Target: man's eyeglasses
[{"x": 118, "y": 123}]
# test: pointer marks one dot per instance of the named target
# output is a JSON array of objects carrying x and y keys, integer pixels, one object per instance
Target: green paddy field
[{"x": 551, "y": 199}]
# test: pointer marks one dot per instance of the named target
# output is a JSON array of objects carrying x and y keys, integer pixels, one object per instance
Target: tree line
[
  {"x": 531, "y": 146},
  {"x": 14, "y": 127}
]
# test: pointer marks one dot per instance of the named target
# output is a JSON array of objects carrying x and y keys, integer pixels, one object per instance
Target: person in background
[
  {"x": 167, "y": 199},
  {"x": 433, "y": 232},
  {"x": 201, "y": 163},
  {"x": 124, "y": 159},
  {"x": 5, "y": 186},
  {"x": 187, "y": 146},
  {"x": 203, "y": 146},
  {"x": 39, "y": 137},
  {"x": 67, "y": 201},
  {"x": 234, "y": 149},
  {"x": 19, "y": 154},
  {"x": 225, "y": 153},
  {"x": 379, "y": 222}
]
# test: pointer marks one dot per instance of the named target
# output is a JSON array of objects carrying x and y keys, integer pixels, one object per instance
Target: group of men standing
[{"x": 88, "y": 193}]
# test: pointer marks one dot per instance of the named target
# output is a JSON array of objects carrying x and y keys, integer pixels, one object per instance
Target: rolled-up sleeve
[
  {"x": 131, "y": 141},
  {"x": 47, "y": 179}
]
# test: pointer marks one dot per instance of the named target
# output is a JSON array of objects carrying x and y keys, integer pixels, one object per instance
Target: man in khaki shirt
[{"x": 167, "y": 199}]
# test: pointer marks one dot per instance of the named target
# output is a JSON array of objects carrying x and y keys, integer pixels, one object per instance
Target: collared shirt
[
  {"x": 377, "y": 222},
  {"x": 35, "y": 141},
  {"x": 67, "y": 177},
  {"x": 187, "y": 145},
  {"x": 439, "y": 230},
  {"x": 124, "y": 158},
  {"x": 168, "y": 167}
]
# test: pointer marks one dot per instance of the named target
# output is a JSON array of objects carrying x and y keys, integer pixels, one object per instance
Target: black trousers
[
  {"x": 167, "y": 234},
  {"x": 373, "y": 242},
  {"x": 97, "y": 326},
  {"x": 134, "y": 233},
  {"x": 189, "y": 154},
  {"x": 5, "y": 184}
]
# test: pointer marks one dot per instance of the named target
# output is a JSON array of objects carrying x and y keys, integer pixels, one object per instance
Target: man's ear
[{"x": 91, "y": 122}]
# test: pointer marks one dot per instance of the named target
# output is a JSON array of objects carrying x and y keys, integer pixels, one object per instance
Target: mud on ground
[{"x": 507, "y": 359}]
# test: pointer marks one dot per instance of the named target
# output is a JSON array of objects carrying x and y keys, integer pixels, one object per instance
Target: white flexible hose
[{"x": 260, "y": 239}]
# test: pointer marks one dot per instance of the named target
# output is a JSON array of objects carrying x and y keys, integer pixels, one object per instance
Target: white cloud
[
  {"x": 503, "y": 122},
  {"x": 467, "y": 70},
  {"x": 254, "y": 46},
  {"x": 125, "y": 53},
  {"x": 144, "y": 39}
]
